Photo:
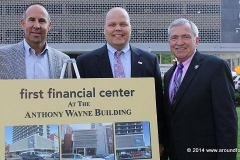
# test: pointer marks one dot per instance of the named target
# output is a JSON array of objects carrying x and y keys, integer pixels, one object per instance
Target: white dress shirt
[
  {"x": 37, "y": 66},
  {"x": 125, "y": 59}
]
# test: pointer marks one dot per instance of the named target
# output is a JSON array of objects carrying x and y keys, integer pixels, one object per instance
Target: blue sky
[
  {"x": 146, "y": 130},
  {"x": 8, "y": 134}
]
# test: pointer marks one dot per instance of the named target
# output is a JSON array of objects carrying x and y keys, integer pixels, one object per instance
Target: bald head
[
  {"x": 117, "y": 10},
  {"x": 34, "y": 4},
  {"x": 117, "y": 28}
]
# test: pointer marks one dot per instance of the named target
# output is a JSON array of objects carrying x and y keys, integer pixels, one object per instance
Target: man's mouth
[
  {"x": 118, "y": 35},
  {"x": 180, "y": 48},
  {"x": 36, "y": 33}
]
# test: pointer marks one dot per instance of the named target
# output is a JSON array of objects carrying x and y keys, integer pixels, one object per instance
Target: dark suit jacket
[
  {"x": 204, "y": 114},
  {"x": 96, "y": 64}
]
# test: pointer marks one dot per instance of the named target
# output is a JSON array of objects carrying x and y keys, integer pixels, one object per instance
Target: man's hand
[{"x": 161, "y": 149}]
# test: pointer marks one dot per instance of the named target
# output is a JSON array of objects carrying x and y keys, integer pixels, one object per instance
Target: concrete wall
[{"x": 230, "y": 17}]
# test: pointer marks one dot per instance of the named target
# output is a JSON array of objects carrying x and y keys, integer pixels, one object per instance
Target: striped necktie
[
  {"x": 176, "y": 81},
  {"x": 118, "y": 66}
]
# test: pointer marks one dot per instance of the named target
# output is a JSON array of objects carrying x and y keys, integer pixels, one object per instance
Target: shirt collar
[
  {"x": 28, "y": 48},
  {"x": 113, "y": 50},
  {"x": 187, "y": 62}
]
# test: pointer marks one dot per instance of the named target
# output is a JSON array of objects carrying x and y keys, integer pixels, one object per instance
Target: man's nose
[
  {"x": 36, "y": 24},
  {"x": 180, "y": 41},
  {"x": 118, "y": 28}
]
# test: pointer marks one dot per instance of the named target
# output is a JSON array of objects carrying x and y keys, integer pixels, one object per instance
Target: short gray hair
[{"x": 183, "y": 21}]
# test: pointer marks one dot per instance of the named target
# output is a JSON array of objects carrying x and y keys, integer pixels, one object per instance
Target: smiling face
[
  {"x": 117, "y": 29},
  {"x": 182, "y": 41},
  {"x": 36, "y": 25}
]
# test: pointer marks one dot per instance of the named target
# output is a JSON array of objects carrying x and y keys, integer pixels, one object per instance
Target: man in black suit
[
  {"x": 100, "y": 63},
  {"x": 201, "y": 114}
]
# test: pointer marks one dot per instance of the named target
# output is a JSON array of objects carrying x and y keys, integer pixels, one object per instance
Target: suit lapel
[
  {"x": 167, "y": 83},
  {"x": 191, "y": 72},
  {"x": 104, "y": 66},
  {"x": 52, "y": 64},
  {"x": 137, "y": 63},
  {"x": 103, "y": 63},
  {"x": 18, "y": 59}
]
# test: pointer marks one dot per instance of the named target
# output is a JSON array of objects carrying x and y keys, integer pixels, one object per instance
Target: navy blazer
[
  {"x": 96, "y": 64},
  {"x": 204, "y": 113}
]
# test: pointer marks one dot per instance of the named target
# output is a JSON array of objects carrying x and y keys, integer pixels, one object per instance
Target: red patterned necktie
[
  {"x": 176, "y": 81},
  {"x": 118, "y": 66}
]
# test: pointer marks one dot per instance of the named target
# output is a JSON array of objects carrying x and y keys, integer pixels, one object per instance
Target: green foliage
[
  {"x": 237, "y": 98},
  {"x": 167, "y": 58},
  {"x": 238, "y": 143}
]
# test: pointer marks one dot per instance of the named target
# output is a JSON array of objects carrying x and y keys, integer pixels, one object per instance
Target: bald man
[
  {"x": 32, "y": 58},
  {"x": 134, "y": 62}
]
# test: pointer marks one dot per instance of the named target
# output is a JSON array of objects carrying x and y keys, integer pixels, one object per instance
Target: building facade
[
  {"x": 33, "y": 143},
  {"x": 98, "y": 139},
  {"x": 130, "y": 138},
  {"x": 66, "y": 129},
  {"x": 78, "y": 24},
  {"x": 33, "y": 138},
  {"x": 22, "y": 132},
  {"x": 55, "y": 140}
]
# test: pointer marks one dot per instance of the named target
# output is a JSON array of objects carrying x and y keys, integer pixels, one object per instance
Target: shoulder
[
  {"x": 91, "y": 54},
  {"x": 142, "y": 53},
  {"x": 212, "y": 59},
  {"x": 12, "y": 51},
  {"x": 11, "y": 47},
  {"x": 57, "y": 53}
]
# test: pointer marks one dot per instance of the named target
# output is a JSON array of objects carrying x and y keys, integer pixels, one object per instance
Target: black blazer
[
  {"x": 204, "y": 114},
  {"x": 96, "y": 64}
]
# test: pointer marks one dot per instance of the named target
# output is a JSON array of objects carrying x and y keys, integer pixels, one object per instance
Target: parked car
[
  {"x": 236, "y": 81},
  {"x": 32, "y": 155},
  {"x": 55, "y": 155},
  {"x": 125, "y": 155},
  {"x": 99, "y": 156},
  {"x": 8, "y": 155},
  {"x": 71, "y": 156},
  {"x": 137, "y": 154},
  {"x": 109, "y": 157}
]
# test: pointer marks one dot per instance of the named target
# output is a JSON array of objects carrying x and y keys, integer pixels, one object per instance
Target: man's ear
[
  {"x": 22, "y": 23},
  {"x": 104, "y": 32},
  {"x": 50, "y": 26},
  {"x": 197, "y": 41}
]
